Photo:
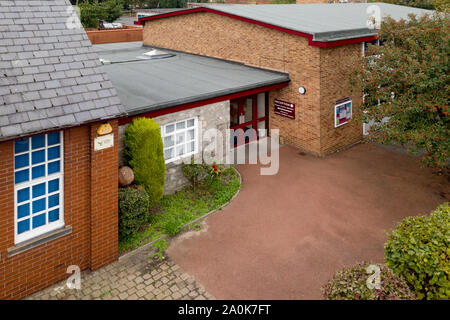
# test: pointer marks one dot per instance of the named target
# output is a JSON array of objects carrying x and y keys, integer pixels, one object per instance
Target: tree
[
  {"x": 424, "y": 4},
  {"x": 407, "y": 80}
]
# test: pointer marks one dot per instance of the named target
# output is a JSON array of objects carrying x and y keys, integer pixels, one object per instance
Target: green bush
[
  {"x": 419, "y": 249},
  {"x": 133, "y": 210},
  {"x": 144, "y": 153},
  {"x": 91, "y": 13},
  {"x": 351, "y": 284},
  {"x": 195, "y": 172}
]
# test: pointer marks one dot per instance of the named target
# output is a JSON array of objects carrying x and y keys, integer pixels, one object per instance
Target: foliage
[
  {"x": 144, "y": 154},
  {"x": 93, "y": 11},
  {"x": 407, "y": 80},
  {"x": 160, "y": 247},
  {"x": 424, "y": 4},
  {"x": 178, "y": 209},
  {"x": 172, "y": 225},
  {"x": 133, "y": 210},
  {"x": 282, "y": 1},
  {"x": 351, "y": 284},
  {"x": 419, "y": 250},
  {"x": 194, "y": 172}
]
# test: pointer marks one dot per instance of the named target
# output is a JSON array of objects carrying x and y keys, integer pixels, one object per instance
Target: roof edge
[
  {"x": 176, "y": 106},
  {"x": 311, "y": 37}
]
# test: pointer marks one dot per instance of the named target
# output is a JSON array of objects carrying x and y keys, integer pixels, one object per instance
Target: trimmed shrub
[
  {"x": 145, "y": 155},
  {"x": 419, "y": 249},
  {"x": 195, "y": 172},
  {"x": 351, "y": 284},
  {"x": 133, "y": 210}
]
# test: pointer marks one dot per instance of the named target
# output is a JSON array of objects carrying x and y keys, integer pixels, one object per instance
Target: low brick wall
[{"x": 127, "y": 34}]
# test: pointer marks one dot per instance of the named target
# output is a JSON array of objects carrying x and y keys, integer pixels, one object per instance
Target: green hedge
[
  {"x": 133, "y": 210},
  {"x": 419, "y": 250},
  {"x": 351, "y": 284},
  {"x": 144, "y": 153}
]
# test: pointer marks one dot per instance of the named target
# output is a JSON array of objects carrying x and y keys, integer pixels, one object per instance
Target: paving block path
[{"x": 136, "y": 276}]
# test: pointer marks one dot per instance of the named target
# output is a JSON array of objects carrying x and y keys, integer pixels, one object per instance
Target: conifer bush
[{"x": 144, "y": 154}]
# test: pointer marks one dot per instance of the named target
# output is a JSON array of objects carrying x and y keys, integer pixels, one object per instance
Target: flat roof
[
  {"x": 324, "y": 22},
  {"x": 176, "y": 78}
]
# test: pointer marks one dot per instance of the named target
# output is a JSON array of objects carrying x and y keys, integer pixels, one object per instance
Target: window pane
[
  {"x": 169, "y": 141},
  {"x": 180, "y": 137},
  {"x": 180, "y": 150},
  {"x": 23, "y": 195},
  {"x": 21, "y": 161},
  {"x": 53, "y": 138},
  {"x": 23, "y": 210},
  {"x": 53, "y": 201},
  {"x": 38, "y": 142},
  {"x": 38, "y": 157},
  {"x": 168, "y": 153},
  {"x": 21, "y": 145},
  {"x": 190, "y": 135},
  {"x": 39, "y": 220},
  {"x": 23, "y": 226},
  {"x": 53, "y": 185},
  {"x": 53, "y": 215},
  {"x": 190, "y": 123},
  {"x": 262, "y": 125},
  {"x": 170, "y": 128},
  {"x": 39, "y": 190},
  {"x": 39, "y": 205},
  {"x": 38, "y": 172},
  {"x": 53, "y": 153},
  {"x": 248, "y": 110},
  {"x": 181, "y": 125},
  {"x": 190, "y": 147},
  {"x": 261, "y": 105},
  {"x": 21, "y": 176},
  {"x": 53, "y": 167}
]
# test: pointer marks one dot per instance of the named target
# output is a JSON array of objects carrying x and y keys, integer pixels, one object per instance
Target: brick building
[
  {"x": 58, "y": 183},
  {"x": 314, "y": 43},
  {"x": 63, "y": 113}
]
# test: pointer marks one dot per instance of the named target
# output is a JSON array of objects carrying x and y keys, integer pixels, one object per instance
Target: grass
[{"x": 184, "y": 206}]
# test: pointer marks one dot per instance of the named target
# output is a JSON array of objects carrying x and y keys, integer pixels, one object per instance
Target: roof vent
[{"x": 155, "y": 54}]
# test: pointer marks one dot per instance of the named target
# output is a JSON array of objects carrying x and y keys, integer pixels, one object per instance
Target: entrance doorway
[{"x": 249, "y": 113}]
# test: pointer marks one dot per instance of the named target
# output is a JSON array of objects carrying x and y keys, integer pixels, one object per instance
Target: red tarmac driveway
[{"x": 285, "y": 235}]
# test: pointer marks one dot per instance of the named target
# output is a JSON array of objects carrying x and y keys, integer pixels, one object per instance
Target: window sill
[{"x": 49, "y": 236}]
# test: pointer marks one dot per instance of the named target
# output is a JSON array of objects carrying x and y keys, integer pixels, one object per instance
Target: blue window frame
[{"x": 38, "y": 185}]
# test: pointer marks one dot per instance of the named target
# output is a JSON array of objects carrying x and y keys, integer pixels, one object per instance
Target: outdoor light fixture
[{"x": 301, "y": 90}]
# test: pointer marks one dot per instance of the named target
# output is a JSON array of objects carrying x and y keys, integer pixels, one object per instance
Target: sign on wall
[
  {"x": 104, "y": 142},
  {"x": 285, "y": 109},
  {"x": 342, "y": 111}
]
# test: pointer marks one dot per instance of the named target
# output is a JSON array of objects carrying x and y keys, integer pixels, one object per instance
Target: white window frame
[
  {"x": 349, "y": 118},
  {"x": 196, "y": 140},
  {"x": 47, "y": 227}
]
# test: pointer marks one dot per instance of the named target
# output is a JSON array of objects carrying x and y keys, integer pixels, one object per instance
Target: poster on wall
[{"x": 342, "y": 111}]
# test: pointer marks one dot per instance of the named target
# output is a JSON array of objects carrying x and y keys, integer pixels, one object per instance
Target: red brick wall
[
  {"x": 321, "y": 71},
  {"x": 104, "y": 202},
  {"x": 93, "y": 241}
]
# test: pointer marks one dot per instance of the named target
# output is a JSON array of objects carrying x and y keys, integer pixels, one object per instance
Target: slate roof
[
  {"x": 49, "y": 75},
  {"x": 324, "y": 21},
  {"x": 175, "y": 77}
]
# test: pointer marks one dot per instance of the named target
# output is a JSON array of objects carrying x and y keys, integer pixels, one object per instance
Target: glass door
[{"x": 248, "y": 114}]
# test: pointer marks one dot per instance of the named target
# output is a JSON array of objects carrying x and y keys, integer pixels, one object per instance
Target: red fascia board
[
  {"x": 311, "y": 42},
  {"x": 190, "y": 105}
]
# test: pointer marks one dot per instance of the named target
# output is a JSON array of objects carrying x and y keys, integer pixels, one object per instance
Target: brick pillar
[{"x": 104, "y": 201}]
